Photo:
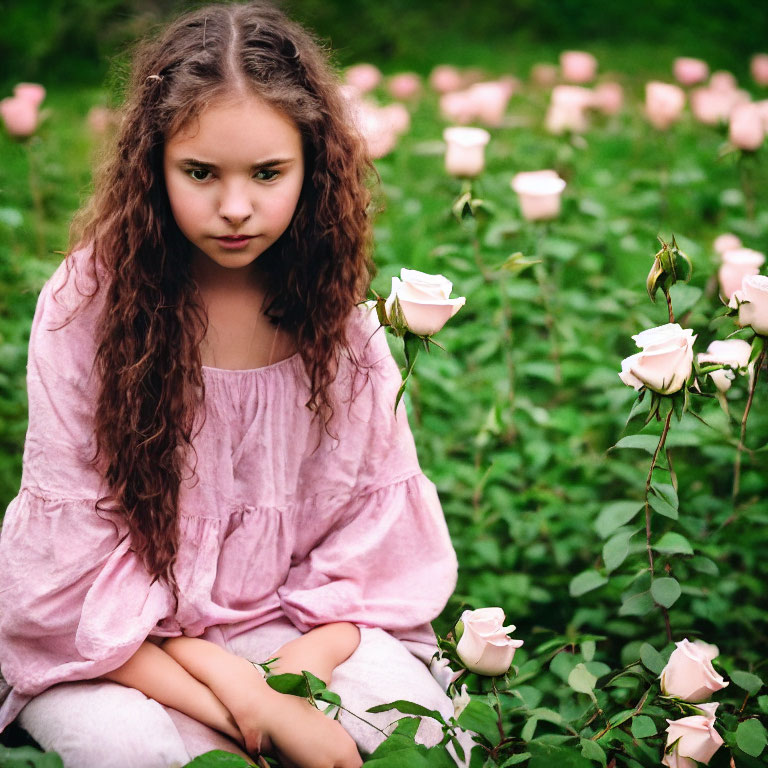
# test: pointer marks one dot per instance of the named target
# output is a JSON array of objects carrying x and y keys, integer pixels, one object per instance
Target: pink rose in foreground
[
  {"x": 692, "y": 739},
  {"x": 485, "y": 646},
  {"x": 568, "y": 109},
  {"x": 608, "y": 98},
  {"x": 544, "y": 75},
  {"x": 465, "y": 150},
  {"x": 666, "y": 361},
  {"x": 746, "y": 129},
  {"x": 423, "y": 302},
  {"x": 363, "y": 77},
  {"x": 445, "y": 78},
  {"x": 689, "y": 673},
  {"x": 578, "y": 66},
  {"x": 539, "y": 193},
  {"x": 690, "y": 71},
  {"x": 32, "y": 92},
  {"x": 664, "y": 104},
  {"x": 732, "y": 352},
  {"x": 758, "y": 66},
  {"x": 737, "y": 264},
  {"x": 20, "y": 116},
  {"x": 726, "y": 242},
  {"x": 752, "y": 301},
  {"x": 404, "y": 86}
]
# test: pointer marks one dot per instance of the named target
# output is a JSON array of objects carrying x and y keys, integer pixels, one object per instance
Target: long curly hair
[{"x": 153, "y": 321}]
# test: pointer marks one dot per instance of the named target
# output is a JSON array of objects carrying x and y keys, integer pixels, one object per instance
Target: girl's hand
[{"x": 306, "y": 738}]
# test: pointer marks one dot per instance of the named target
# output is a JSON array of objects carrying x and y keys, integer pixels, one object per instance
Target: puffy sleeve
[
  {"x": 75, "y": 602},
  {"x": 387, "y": 561}
]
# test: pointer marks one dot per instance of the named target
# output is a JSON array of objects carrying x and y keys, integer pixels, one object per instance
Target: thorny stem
[
  {"x": 497, "y": 707},
  {"x": 669, "y": 307},
  {"x": 740, "y": 449}
]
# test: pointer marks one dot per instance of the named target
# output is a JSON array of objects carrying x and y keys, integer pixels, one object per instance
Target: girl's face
[{"x": 234, "y": 176}]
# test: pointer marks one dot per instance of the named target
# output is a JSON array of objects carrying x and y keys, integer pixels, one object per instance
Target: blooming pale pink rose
[
  {"x": 746, "y": 127},
  {"x": 732, "y": 352},
  {"x": 759, "y": 68},
  {"x": 690, "y": 71},
  {"x": 376, "y": 128},
  {"x": 363, "y": 77},
  {"x": 608, "y": 98},
  {"x": 578, "y": 66},
  {"x": 692, "y": 739},
  {"x": 445, "y": 78},
  {"x": 398, "y": 117},
  {"x": 485, "y": 646},
  {"x": 737, "y": 264},
  {"x": 539, "y": 193},
  {"x": 544, "y": 75},
  {"x": 664, "y": 103},
  {"x": 20, "y": 116},
  {"x": 458, "y": 107},
  {"x": 489, "y": 101},
  {"x": 423, "y": 300},
  {"x": 666, "y": 361},
  {"x": 752, "y": 301},
  {"x": 723, "y": 81},
  {"x": 568, "y": 109},
  {"x": 465, "y": 150},
  {"x": 404, "y": 86},
  {"x": 689, "y": 673},
  {"x": 712, "y": 107},
  {"x": 726, "y": 242},
  {"x": 33, "y": 92}
]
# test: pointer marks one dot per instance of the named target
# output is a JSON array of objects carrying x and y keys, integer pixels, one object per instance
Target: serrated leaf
[
  {"x": 672, "y": 543},
  {"x": 480, "y": 718},
  {"x": 593, "y": 751},
  {"x": 751, "y": 737},
  {"x": 747, "y": 681},
  {"x": 651, "y": 658},
  {"x": 643, "y": 726},
  {"x": 615, "y": 514},
  {"x": 586, "y": 582},
  {"x": 637, "y": 605},
  {"x": 581, "y": 679},
  {"x": 641, "y": 442},
  {"x": 665, "y": 591},
  {"x": 616, "y": 549}
]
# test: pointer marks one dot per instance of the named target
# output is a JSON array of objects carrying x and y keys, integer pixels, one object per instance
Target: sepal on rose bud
[{"x": 670, "y": 266}]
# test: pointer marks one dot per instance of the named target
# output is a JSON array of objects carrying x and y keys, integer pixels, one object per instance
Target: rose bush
[
  {"x": 689, "y": 673},
  {"x": 752, "y": 303},
  {"x": 485, "y": 646},
  {"x": 666, "y": 361},
  {"x": 692, "y": 739}
]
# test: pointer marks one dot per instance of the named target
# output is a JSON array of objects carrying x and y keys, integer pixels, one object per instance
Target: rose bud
[
  {"x": 539, "y": 193},
  {"x": 690, "y": 71},
  {"x": 465, "y": 150},
  {"x": 665, "y": 363},
  {"x": 737, "y": 264},
  {"x": 458, "y": 107},
  {"x": 363, "y": 77},
  {"x": 485, "y": 646},
  {"x": 746, "y": 129},
  {"x": 723, "y": 81},
  {"x": 404, "y": 86},
  {"x": 758, "y": 66},
  {"x": 445, "y": 78},
  {"x": 693, "y": 739},
  {"x": 32, "y": 92},
  {"x": 726, "y": 242},
  {"x": 689, "y": 673},
  {"x": 664, "y": 104},
  {"x": 421, "y": 303},
  {"x": 489, "y": 101},
  {"x": 578, "y": 66},
  {"x": 20, "y": 116},
  {"x": 568, "y": 109},
  {"x": 754, "y": 309},
  {"x": 732, "y": 352}
]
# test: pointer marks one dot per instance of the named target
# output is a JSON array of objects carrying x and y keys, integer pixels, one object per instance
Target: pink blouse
[{"x": 277, "y": 517}]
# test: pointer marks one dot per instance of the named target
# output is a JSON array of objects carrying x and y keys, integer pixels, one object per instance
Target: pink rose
[
  {"x": 759, "y": 68},
  {"x": 746, "y": 129},
  {"x": 568, "y": 109},
  {"x": 363, "y": 77},
  {"x": 689, "y": 673},
  {"x": 465, "y": 150},
  {"x": 690, "y": 71},
  {"x": 732, "y": 352},
  {"x": 737, "y": 264},
  {"x": 421, "y": 302},
  {"x": 489, "y": 101},
  {"x": 398, "y": 117},
  {"x": 666, "y": 361},
  {"x": 752, "y": 302},
  {"x": 485, "y": 646},
  {"x": 726, "y": 242},
  {"x": 20, "y": 116},
  {"x": 723, "y": 81},
  {"x": 32, "y": 92},
  {"x": 544, "y": 75},
  {"x": 609, "y": 98},
  {"x": 578, "y": 66},
  {"x": 457, "y": 107},
  {"x": 539, "y": 193},
  {"x": 664, "y": 104},
  {"x": 712, "y": 107},
  {"x": 693, "y": 739},
  {"x": 404, "y": 86},
  {"x": 445, "y": 78}
]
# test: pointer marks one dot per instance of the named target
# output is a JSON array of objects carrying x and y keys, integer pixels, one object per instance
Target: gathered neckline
[{"x": 261, "y": 369}]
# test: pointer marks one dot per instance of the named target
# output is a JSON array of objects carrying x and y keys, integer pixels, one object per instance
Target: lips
[{"x": 234, "y": 242}]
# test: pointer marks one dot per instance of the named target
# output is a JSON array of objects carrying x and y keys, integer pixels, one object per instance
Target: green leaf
[
  {"x": 751, "y": 737},
  {"x": 581, "y": 679},
  {"x": 665, "y": 591},
  {"x": 641, "y": 442},
  {"x": 593, "y": 751},
  {"x": 215, "y": 759},
  {"x": 616, "y": 549},
  {"x": 408, "y": 708},
  {"x": 705, "y": 565},
  {"x": 643, "y": 726},
  {"x": 662, "y": 506},
  {"x": 295, "y": 685},
  {"x": 747, "y": 681},
  {"x": 651, "y": 658},
  {"x": 480, "y": 718},
  {"x": 672, "y": 543},
  {"x": 588, "y": 648},
  {"x": 529, "y": 728},
  {"x": 520, "y": 757},
  {"x": 550, "y": 755},
  {"x": 758, "y": 344},
  {"x": 667, "y": 492},
  {"x": 637, "y": 605},
  {"x": 615, "y": 514},
  {"x": 586, "y": 582}
]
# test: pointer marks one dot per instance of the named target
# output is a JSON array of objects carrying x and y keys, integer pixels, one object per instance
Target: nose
[{"x": 235, "y": 204}]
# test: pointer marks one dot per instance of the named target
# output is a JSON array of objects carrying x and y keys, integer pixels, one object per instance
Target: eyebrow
[{"x": 213, "y": 166}]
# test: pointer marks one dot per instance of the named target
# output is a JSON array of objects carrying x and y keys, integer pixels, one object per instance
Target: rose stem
[
  {"x": 37, "y": 199},
  {"x": 497, "y": 707},
  {"x": 669, "y": 307},
  {"x": 740, "y": 449},
  {"x": 648, "y": 481}
]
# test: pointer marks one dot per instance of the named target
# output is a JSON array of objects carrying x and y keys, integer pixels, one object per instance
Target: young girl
[{"x": 213, "y": 472}]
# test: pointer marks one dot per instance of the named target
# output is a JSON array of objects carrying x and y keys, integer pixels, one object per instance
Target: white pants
[{"x": 101, "y": 724}]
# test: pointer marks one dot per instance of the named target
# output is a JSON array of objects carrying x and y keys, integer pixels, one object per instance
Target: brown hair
[{"x": 148, "y": 358}]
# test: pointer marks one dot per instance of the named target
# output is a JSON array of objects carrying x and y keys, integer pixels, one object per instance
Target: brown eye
[
  {"x": 199, "y": 174},
  {"x": 266, "y": 174}
]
